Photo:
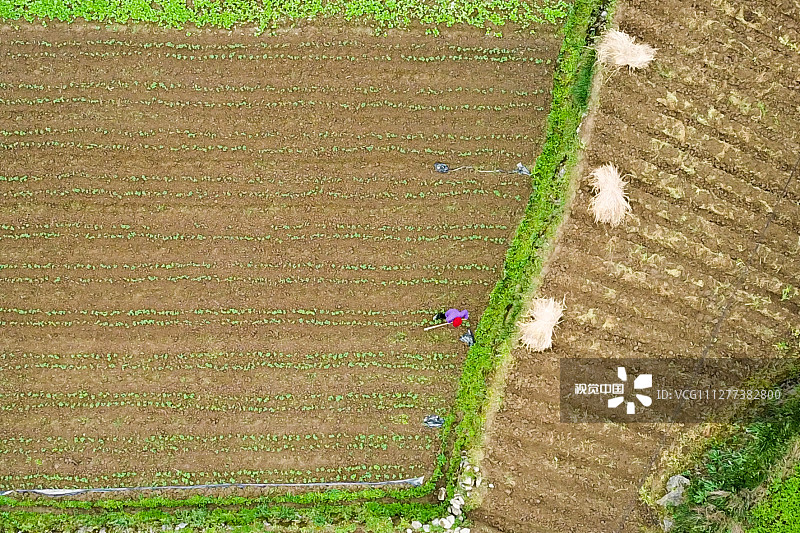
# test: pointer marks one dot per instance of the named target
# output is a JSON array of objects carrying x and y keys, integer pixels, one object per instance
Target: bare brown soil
[
  {"x": 709, "y": 135},
  {"x": 219, "y": 251}
]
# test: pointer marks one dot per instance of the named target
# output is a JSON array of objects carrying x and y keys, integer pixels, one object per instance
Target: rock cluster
[{"x": 469, "y": 479}]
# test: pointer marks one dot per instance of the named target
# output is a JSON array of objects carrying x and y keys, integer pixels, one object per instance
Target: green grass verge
[
  {"x": 524, "y": 260},
  {"x": 367, "y": 508},
  {"x": 725, "y": 479},
  {"x": 488, "y": 14},
  {"x": 494, "y": 333},
  {"x": 779, "y": 511},
  {"x": 377, "y": 517}
]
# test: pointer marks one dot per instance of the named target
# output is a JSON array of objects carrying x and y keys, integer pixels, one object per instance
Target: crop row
[
  {"x": 227, "y": 56},
  {"x": 261, "y": 104},
  {"x": 275, "y": 227},
  {"x": 307, "y": 89},
  {"x": 206, "y": 311},
  {"x": 270, "y": 14},
  {"x": 227, "y": 356},
  {"x": 162, "y": 237},
  {"x": 268, "y": 45},
  {"x": 221, "y": 322},
  {"x": 249, "y": 264},
  {"x": 266, "y": 134},
  {"x": 288, "y": 280},
  {"x": 211, "y": 439},
  {"x": 270, "y": 151},
  {"x": 161, "y": 449},
  {"x": 239, "y": 195},
  {"x": 358, "y": 406},
  {"x": 169, "y": 397},
  {"x": 299, "y": 366},
  {"x": 268, "y": 180},
  {"x": 186, "y": 443},
  {"x": 177, "y": 477},
  {"x": 216, "y": 362}
]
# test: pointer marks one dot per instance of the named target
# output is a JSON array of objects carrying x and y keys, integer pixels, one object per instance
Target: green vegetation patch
[
  {"x": 271, "y": 13},
  {"x": 779, "y": 511},
  {"x": 728, "y": 481},
  {"x": 524, "y": 260},
  {"x": 373, "y": 516}
]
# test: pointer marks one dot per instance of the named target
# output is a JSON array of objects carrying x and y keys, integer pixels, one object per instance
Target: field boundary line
[{"x": 497, "y": 330}]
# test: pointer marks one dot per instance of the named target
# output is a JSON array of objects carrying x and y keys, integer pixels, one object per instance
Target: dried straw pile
[
  {"x": 610, "y": 203},
  {"x": 537, "y": 334},
  {"x": 617, "y": 49}
]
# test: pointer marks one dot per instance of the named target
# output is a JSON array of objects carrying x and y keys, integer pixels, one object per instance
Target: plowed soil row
[
  {"x": 219, "y": 251},
  {"x": 708, "y": 135}
]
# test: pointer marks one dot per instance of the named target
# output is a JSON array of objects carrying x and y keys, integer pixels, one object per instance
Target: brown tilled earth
[
  {"x": 206, "y": 252},
  {"x": 709, "y": 134}
]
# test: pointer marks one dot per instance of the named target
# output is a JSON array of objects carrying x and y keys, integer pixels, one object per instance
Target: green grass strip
[
  {"x": 780, "y": 510},
  {"x": 543, "y": 214},
  {"x": 271, "y": 13},
  {"x": 738, "y": 462},
  {"x": 375, "y": 516}
]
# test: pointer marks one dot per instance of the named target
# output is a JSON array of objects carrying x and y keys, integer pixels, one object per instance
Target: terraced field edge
[{"x": 525, "y": 258}]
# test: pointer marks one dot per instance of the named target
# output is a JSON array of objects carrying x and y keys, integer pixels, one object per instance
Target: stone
[
  {"x": 677, "y": 481},
  {"x": 491, "y": 485},
  {"x": 667, "y": 524},
  {"x": 674, "y": 495},
  {"x": 426, "y": 528},
  {"x": 416, "y": 524},
  {"x": 442, "y": 494},
  {"x": 465, "y": 530},
  {"x": 673, "y": 498},
  {"x": 181, "y": 526}
]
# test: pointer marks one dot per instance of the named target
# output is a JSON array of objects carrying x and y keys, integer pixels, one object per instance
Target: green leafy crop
[{"x": 488, "y": 14}]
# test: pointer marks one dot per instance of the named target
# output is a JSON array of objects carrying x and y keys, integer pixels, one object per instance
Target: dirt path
[{"x": 709, "y": 135}]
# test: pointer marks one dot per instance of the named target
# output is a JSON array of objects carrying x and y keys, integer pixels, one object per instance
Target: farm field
[
  {"x": 220, "y": 250},
  {"x": 707, "y": 265}
]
